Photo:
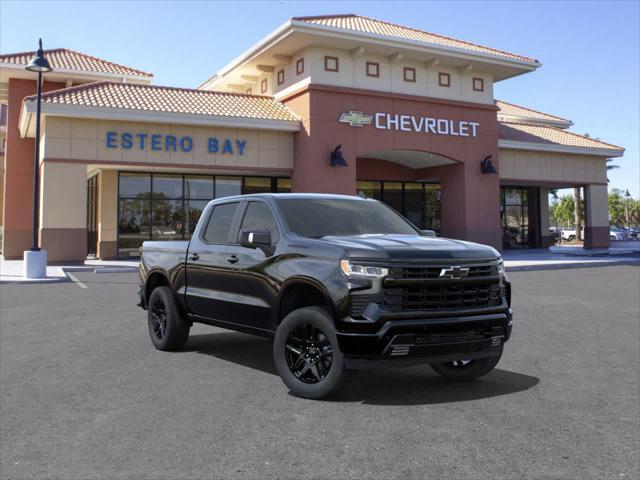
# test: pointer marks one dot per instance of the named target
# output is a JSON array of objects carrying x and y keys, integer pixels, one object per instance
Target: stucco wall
[
  {"x": 85, "y": 140},
  {"x": 551, "y": 167},
  {"x": 352, "y": 73}
]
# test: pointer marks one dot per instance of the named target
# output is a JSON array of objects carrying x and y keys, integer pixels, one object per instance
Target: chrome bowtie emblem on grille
[
  {"x": 454, "y": 273},
  {"x": 355, "y": 119}
]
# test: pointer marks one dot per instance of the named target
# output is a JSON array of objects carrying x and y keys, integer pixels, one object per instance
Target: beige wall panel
[
  {"x": 549, "y": 166},
  {"x": 82, "y": 149},
  {"x": 57, "y": 127},
  {"x": 57, "y": 147},
  {"x": 63, "y": 196},
  {"x": 598, "y": 214},
  {"x": 79, "y": 148},
  {"x": 85, "y": 129},
  {"x": 268, "y": 140},
  {"x": 108, "y": 206}
]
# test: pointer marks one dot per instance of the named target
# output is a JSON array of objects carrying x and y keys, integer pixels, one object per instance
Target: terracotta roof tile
[
  {"x": 65, "y": 59},
  {"x": 153, "y": 98},
  {"x": 379, "y": 27},
  {"x": 513, "y": 110},
  {"x": 517, "y": 132}
]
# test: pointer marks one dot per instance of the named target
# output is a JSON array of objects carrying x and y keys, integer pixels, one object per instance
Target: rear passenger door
[
  {"x": 210, "y": 265},
  {"x": 252, "y": 284}
]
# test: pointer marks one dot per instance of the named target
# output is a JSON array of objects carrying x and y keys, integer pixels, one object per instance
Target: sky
[{"x": 590, "y": 51}]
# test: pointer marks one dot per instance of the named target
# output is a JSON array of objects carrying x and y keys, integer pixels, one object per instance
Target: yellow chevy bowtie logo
[{"x": 356, "y": 119}]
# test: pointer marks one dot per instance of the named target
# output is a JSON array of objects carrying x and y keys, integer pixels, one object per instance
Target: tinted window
[
  {"x": 220, "y": 223},
  {"x": 259, "y": 217},
  {"x": 318, "y": 217}
]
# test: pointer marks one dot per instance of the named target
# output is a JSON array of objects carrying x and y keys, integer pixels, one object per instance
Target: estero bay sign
[
  {"x": 411, "y": 123},
  {"x": 171, "y": 143}
]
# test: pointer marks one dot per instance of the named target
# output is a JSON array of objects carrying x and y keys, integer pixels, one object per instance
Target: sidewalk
[
  {"x": 544, "y": 259},
  {"x": 11, "y": 270}
]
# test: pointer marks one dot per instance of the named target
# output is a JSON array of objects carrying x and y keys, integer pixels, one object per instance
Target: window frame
[
  {"x": 444, "y": 75},
  {"x": 377, "y": 67},
  {"x": 264, "y": 85},
  {"x": 280, "y": 76},
  {"x": 327, "y": 59},
  {"x": 248, "y": 91},
  {"x": 245, "y": 208},
  {"x": 300, "y": 66},
  {"x": 232, "y": 227},
  {"x": 407, "y": 70},
  {"x": 480, "y": 82}
]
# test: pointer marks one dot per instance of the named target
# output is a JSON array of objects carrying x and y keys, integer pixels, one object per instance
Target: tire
[
  {"x": 167, "y": 328},
  {"x": 307, "y": 355},
  {"x": 571, "y": 238},
  {"x": 468, "y": 371}
]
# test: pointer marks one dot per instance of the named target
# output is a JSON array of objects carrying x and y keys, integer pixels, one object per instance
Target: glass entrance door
[{"x": 519, "y": 217}]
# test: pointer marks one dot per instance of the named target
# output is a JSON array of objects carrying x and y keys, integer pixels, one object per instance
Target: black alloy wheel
[
  {"x": 167, "y": 329},
  {"x": 309, "y": 353},
  {"x": 158, "y": 319}
]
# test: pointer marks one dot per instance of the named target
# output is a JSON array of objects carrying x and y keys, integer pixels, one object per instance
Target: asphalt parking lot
[{"x": 85, "y": 395}]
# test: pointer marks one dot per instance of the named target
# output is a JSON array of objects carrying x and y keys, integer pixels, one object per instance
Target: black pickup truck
[{"x": 339, "y": 282}]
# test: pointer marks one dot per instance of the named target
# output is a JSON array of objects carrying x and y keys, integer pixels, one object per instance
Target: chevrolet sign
[
  {"x": 355, "y": 119},
  {"x": 454, "y": 273}
]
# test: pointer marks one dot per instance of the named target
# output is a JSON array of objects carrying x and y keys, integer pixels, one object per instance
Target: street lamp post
[{"x": 35, "y": 260}]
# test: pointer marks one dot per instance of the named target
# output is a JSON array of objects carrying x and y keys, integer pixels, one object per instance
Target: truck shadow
[{"x": 416, "y": 385}]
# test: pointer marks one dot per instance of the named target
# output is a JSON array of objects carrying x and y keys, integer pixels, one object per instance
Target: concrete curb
[
  {"x": 565, "y": 266},
  {"x": 115, "y": 270}
]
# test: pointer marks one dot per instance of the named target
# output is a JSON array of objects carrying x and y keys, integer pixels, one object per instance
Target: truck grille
[
  {"x": 420, "y": 288},
  {"x": 433, "y": 272},
  {"x": 445, "y": 295}
]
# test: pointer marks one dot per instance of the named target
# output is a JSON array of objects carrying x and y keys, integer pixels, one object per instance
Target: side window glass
[
  {"x": 259, "y": 217},
  {"x": 217, "y": 230}
]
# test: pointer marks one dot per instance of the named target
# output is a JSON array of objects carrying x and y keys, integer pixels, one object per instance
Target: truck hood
[{"x": 410, "y": 247}]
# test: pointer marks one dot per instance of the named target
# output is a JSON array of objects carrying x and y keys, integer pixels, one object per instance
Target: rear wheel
[
  {"x": 466, "y": 370},
  {"x": 167, "y": 329},
  {"x": 306, "y": 353}
]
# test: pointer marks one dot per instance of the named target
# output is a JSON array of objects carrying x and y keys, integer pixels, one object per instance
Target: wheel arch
[{"x": 301, "y": 292}]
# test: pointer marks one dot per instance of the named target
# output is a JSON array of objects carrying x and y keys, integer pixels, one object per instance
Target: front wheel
[
  {"x": 466, "y": 370},
  {"x": 307, "y": 355}
]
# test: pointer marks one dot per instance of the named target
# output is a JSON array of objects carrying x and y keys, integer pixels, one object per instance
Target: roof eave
[
  {"x": 120, "y": 114},
  {"x": 466, "y": 54},
  {"x": 543, "y": 147},
  {"x": 293, "y": 25},
  {"x": 88, "y": 73},
  {"x": 532, "y": 121}
]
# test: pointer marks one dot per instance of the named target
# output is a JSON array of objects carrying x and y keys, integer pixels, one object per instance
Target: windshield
[{"x": 319, "y": 217}]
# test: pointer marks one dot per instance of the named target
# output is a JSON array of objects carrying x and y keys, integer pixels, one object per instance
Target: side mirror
[
  {"x": 255, "y": 238},
  {"x": 428, "y": 233}
]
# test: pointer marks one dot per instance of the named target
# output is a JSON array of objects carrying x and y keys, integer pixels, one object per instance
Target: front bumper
[{"x": 430, "y": 340}]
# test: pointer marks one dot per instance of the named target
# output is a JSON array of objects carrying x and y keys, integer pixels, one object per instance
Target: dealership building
[{"x": 341, "y": 104}]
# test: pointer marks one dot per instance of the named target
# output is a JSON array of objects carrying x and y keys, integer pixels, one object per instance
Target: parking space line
[{"x": 75, "y": 280}]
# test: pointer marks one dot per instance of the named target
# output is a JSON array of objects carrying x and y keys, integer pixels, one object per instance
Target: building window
[
  {"x": 331, "y": 64},
  {"x": 478, "y": 84},
  {"x": 248, "y": 91},
  {"x": 168, "y": 206},
  {"x": 409, "y": 74},
  {"x": 300, "y": 66},
  {"x": 417, "y": 201},
  {"x": 373, "y": 69},
  {"x": 263, "y": 86},
  {"x": 280, "y": 77},
  {"x": 444, "y": 79}
]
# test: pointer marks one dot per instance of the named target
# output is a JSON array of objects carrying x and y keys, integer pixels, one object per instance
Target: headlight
[
  {"x": 355, "y": 270},
  {"x": 501, "y": 270}
]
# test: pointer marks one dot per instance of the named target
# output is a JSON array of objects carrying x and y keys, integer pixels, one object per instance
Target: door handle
[
  {"x": 233, "y": 259},
  {"x": 194, "y": 257}
]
